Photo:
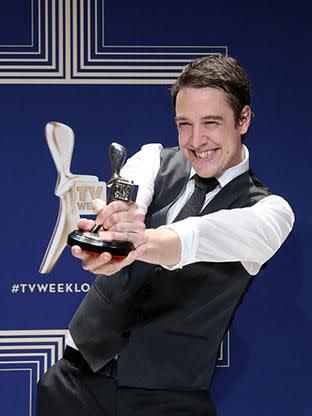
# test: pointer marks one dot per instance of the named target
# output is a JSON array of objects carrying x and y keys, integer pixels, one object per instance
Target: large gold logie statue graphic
[{"x": 75, "y": 192}]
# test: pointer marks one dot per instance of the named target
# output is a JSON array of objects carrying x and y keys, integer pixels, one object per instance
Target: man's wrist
[{"x": 163, "y": 246}]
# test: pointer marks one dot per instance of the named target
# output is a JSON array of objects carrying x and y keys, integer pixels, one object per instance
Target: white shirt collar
[{"x": 234, "y": 171}]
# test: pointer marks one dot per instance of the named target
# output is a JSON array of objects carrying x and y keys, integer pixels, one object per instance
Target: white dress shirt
[{"x": 249, "y": 235}]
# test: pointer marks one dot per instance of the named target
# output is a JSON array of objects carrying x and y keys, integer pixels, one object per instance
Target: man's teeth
[{"x": 203, "y": 155}]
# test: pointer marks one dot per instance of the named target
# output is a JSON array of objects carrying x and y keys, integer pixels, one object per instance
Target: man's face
[{"x": 208, "y": 134}]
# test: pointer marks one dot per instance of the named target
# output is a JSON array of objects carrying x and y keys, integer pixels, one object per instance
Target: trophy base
[{"x": 92, "y": 243}]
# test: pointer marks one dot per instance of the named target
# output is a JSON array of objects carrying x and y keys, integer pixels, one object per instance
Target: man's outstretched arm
[{"x": 249, "y": 235}]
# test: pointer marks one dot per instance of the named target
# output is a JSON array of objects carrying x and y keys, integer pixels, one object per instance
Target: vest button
[{"x": 158, "y": 269}]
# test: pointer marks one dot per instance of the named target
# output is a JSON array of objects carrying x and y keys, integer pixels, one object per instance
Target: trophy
[
  {"x": 120, "y": 189},
  {"x": 75, "y": 191}
]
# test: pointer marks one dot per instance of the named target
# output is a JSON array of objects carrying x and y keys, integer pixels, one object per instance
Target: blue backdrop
[{"x": 104, "y": 68}]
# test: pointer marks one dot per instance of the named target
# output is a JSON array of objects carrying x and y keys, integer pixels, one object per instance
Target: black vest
[{"x": 167, "y": 326}]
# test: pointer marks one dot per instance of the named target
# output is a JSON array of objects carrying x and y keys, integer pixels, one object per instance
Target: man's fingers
[
  {"x": 136, "y": 238},
  {"x": 130, "y": 216},
  {"x": 117, "y": 212},
  {"x": 120, "y": 222},
  {"x": 105, "y": 263},
  {"x": 115, "y": 266},
  {"x": 98, "y": 205},
  {"x": 130, "y": 227},
  {"x": 85, "y": 225},
  {"x": 93, "y": 262},
  {"x": 77, "y": 252},
  {"x": 112, "y": 210}
]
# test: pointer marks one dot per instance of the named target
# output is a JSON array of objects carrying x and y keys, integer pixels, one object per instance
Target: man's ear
[{"x": 245, "y": 119}]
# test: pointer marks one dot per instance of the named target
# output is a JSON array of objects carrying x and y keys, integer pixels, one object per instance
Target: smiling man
[
  {"x": 209, "y": 134},
  {"x": 145, "y": 339}
]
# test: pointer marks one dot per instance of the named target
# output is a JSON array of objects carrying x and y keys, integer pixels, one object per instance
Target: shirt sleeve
[
  {"x": 250, "y": 235},
  {"x": 142, "y": 169}
]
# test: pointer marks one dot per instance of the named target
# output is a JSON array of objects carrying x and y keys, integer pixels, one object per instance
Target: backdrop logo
[
  {"x": 84, "y": 194},
  {"x": 75, "y": 192},
  {"x": 43, "y": 288}
]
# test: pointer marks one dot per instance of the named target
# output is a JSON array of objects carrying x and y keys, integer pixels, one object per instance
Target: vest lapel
[{"x": 228, "y": 195}]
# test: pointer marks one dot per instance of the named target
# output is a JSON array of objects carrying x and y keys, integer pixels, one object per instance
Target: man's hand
[{"x": 119, "y": 222}]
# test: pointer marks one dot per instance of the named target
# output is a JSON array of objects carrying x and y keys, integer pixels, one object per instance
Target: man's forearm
[{"x": 163, "y": 247}]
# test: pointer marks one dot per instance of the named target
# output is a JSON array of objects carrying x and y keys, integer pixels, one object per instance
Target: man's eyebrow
[
  {"x": 213, "y": 117},
  {"x": 205, "y": 118},
  {"x": 181, "y": 118}
]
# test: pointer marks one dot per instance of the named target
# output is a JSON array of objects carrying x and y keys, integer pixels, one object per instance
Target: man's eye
[
  {"x": 184, "y": 124},
  {"x": 211, "y": 123}
]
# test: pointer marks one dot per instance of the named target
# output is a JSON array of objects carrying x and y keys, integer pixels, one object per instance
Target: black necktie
[{"x": 194, "y": 204}]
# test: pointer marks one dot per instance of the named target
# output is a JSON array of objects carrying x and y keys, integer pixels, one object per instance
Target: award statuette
[
  {"x": 120, "y": 189},
  {"x": 75, "y": 191}
]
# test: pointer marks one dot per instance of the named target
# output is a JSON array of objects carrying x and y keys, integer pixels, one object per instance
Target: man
[{"x": 145, "y": 339}]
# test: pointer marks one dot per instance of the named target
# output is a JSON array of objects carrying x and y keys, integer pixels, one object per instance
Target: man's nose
[{"x": 198, "y": 137}]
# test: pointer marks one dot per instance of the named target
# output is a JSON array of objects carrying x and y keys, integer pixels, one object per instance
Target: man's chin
[
  {"x": 204, "y": 168},
  {"x": 205, "y": 173}
]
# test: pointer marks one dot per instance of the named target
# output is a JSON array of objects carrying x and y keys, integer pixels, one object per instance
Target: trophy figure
[
  {"x": 120, "y": 189},
  {"x": 75, "y": 191}
]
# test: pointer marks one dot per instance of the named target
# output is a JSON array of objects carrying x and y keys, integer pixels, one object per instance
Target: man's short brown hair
[{"x": 217, "y": 71}]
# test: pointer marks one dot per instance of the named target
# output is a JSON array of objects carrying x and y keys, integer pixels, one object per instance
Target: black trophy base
[{"x": 92, "y": 243}]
